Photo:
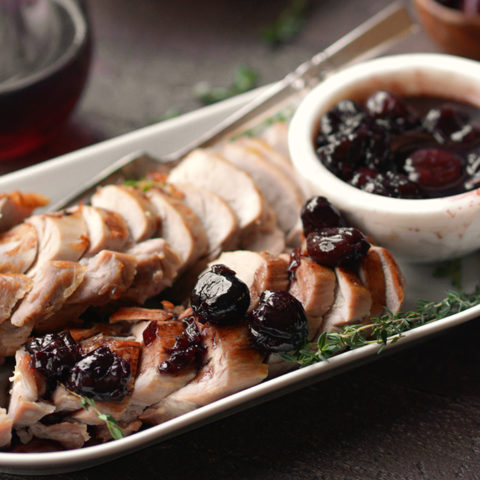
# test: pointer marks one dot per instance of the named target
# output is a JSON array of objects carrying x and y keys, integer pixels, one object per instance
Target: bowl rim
[
  {"x": 304, "y": 125},
  {"x": 447, "y": 14}
]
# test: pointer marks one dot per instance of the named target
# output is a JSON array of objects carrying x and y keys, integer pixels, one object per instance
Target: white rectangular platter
[{"x": 59, "y": 176}]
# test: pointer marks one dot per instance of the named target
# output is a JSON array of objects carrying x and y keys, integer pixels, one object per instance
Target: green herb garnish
[
  {"x": 383, "y": 330},
  {"x": 112, "y": 425},
  {"x": 288, "y": 24},
  {"x": 244, "y": 79}
]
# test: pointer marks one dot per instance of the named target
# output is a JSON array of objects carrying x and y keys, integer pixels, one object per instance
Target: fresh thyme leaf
[
  {"x": 245, "y": 79},
  {"x": 144, "y": 184},
  {"x": 110, "y": 422},
  {"x": 452, "y": 269},
  {"x": 388, "y": 328},
  {"x": 287, "y": 25}
]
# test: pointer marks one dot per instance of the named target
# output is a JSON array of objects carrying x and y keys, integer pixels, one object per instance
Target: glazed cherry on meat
[
  {"x": 414, "y": 147},
  {"x": 220, "y": 297},
  {"x": 278, "y": 323}
]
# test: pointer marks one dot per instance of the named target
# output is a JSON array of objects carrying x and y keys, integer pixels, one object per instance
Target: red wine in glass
[{"x": 45, "y": 68}]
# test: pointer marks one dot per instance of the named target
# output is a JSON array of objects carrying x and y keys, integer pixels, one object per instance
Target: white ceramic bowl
[{"x": 415, "y": 230}]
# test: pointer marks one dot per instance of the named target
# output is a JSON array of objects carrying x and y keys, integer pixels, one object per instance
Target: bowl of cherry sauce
[
  {"x": 394, "y": 144},
  {"x": 453, "y": 24}
]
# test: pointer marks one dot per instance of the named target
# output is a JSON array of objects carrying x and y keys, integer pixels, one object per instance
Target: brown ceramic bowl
[{"x": 452, "y": 29}]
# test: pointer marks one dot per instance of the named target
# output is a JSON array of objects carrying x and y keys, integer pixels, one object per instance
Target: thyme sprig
[
  {"x": 388, "y": 328},
  {"x": 110, "y": 422}
]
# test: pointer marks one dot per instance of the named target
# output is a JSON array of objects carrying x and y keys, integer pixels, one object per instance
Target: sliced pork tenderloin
[
  {"x": 53, "y": 282},
  {"x": 17, "y": 206},
  {"x": 68, "y": 434},
  {"x": 61, "y": 236},
  {"x": 158, "y": 266},
  {"x": 132, "y": 205},
  {"x": 259, "y": 271},
  {"x": 13, "y": 287},
  {"x": 18, "y": 248},
  {"x": 6, "y": 424},
  {"x": 276, "y": 135},
  {"x": 26, "y": 407},
  {"x": 179, "y": 227},
  {"x": 281, "y": 193},
  {"x": 107, "y": 230},
  {"x": 13, "y": 337},
  {"x": 218, "y": 219},
  {"x": 230, "y": 364},
  {"x": 313, "y": 285},
  {"x": 352, "y": 304},
  {"x": 272, "y": 240},
  {"x": 211, "y": 171}
]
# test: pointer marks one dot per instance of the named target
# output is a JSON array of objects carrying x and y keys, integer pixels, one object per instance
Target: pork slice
[
  {"x": 230, "y": 364},
  {"x": 273, "y": 241},
  {"x": 373, "y": 277},
  {"x": 107, "y": 276},
  {"x": 313, "y": 286},
  {"x": 352, "y": 303},
  {"x": 26, "y": 408},
  {"x": 13, "y": 337},
  {"x": 139, "y": 314},
  {"x": 209, "y": 170},
  {"x": 61, "y": 236},
  {"x": 259, "y": 271},
  {"x": 6, "y": 424},
  {"x": 276, "y": 135},
  {"x": 16, "y": 206},
  {"x": 69, "y": 434},
  {"x": 180, "y": 227},
  {"x": 394, "y": 280},
  {"x": 275, "y": 157},
  {"x": 132, "y": 205},
  {"x": 18, "y": 249},
  {"x": 281, "y": 193},
  {"x": 157, "y": 267},
  {"x": 107, "y": 230},
  {"x": 151, "y": 385},
  {"x": 13, "y": 287},
  {"x": 53, "y": 282},
  {"x": 218, "y": 219}
]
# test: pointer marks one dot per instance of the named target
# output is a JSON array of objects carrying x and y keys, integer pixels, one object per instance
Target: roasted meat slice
[
  {"x": 61, "y": 236},
  {"x": 273, "y": 241},
  {"x": 18, "y": 249},
  {"x": 313, "y": 285},
  {"x": 107, "y": 230},
  {"x": 352, "y": 303},
  {"x": 212, "y": 172},
  {"x": 69, "y": 434},
  {"x": 259, "y": 271},
  {"x": 53, "y": 282},
  {"x": 6, "y": 424},
  {"x": 132, "y": 205},
  {"x": 157, "y": 267},
  {"x": 276, "y": 135},
  {"x": 218, "y": 219},
  {"x": 230, "y": 364},
  {"x": 280, "y": 191},
  {"x": 13, "y": 337},
  {"x": 16, "y": 206},
  {"x": 26, "y": 407},
  {"x": 13, "y": 287},
  {"x": 179, "y": 227}
]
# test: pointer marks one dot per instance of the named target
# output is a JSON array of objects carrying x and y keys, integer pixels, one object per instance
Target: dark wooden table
[{"x": 413, "y": 415}]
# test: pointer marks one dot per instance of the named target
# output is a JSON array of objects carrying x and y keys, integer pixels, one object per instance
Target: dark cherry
[
  {"x": 433, "y": 167},
  {"x": 54, "y": 354},
  {"x": 220, "y": 297},
  {"x": 187, "y": 351},
  {"x": 318, "y": 213},
  {"x": 102, "y": 375},
  {"x": 335, "y": 247},
  {"x": 295, "y": 261},
  {"x": 444, "y": 122},
  {"x": 278, "y": 323},
  {"x": 150, "y": 333},
  {"x": 387, "y": 105},
  {"x": 345, "y": 116}
]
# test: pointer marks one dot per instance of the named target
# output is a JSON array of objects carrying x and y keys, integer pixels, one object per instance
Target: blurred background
[{"x": 153, "y": 59}]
